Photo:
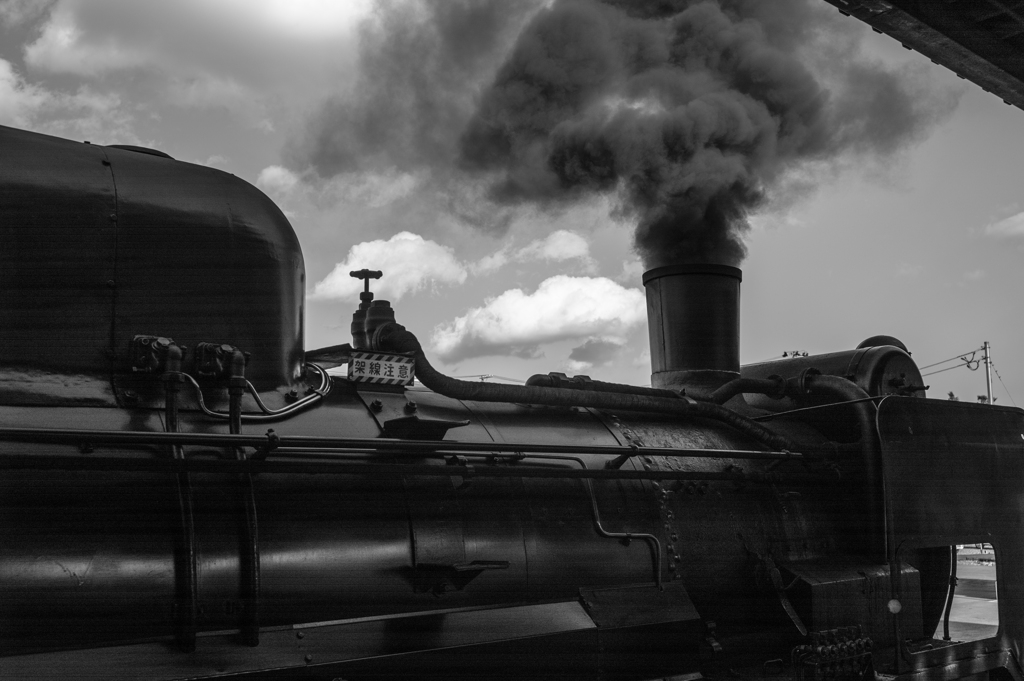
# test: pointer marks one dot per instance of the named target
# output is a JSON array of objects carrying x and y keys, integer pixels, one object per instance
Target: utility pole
[{"x": 987, "y": 358}]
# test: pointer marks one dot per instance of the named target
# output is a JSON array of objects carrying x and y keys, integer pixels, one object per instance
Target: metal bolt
[
  {"x": 377, "y": 406},
  {"x": 410, "y": 407}
]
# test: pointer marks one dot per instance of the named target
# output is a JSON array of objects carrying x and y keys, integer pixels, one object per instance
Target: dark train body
[{"x": 185, "y": 493}]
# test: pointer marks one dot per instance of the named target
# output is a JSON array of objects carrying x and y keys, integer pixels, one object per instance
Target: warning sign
[{"x": 376, "y": 367}]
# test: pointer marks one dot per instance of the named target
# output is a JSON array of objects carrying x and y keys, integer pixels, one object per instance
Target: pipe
[
  {"x": 395, "y": 338},
  {"x": 810, "y": 381},
  {"x": 949, "y": 594},
  {"x": 773, "y": 387},
  {"x": 376, "y": 470},
  {"x": 653, "y": 542},
  {"x": 186, "y": 576},
  {"x": 272, "y": 442},
  {"x": 236, "y": 388},
  {"x": 268, "y": 414},
  {"x": 556, "y": 380},
  {"x": 249, "y": 555}
]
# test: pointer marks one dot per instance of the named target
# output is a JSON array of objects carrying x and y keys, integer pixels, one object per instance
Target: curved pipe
[
  {"x": 268, "y": 414},
  {"x": 847, "y": 391},
  {"x": 773, "y": 387},
  {"x": 395, "y": 338}
]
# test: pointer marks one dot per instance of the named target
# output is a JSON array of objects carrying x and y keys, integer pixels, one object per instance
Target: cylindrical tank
[
  {"x": 693, "y": 317},
  {"x": 100, "y": 244}
]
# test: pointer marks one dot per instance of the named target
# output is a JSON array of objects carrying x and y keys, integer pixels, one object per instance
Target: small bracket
[
  {"x": 413, "y": 427},
  {"x": 440, "y": 579},
  {"x": 273, "y": 442}
]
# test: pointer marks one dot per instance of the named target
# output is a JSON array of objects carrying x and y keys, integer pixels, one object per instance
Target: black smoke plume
[{"x": 693, "y": 114}]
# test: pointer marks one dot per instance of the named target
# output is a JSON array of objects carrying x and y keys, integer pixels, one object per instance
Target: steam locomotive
[{"x": 187, "y": 493}]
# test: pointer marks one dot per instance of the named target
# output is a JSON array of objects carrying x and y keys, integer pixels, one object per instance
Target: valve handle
[{"x": 366, "y": 276}]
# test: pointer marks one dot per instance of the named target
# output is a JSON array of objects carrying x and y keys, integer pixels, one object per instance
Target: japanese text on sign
[{"x": 373, "y": 367}]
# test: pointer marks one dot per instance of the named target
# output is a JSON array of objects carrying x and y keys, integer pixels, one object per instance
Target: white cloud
[
  {"x": 490, "y": 263},
  {"x": 559, "y": 246},
  {"x": 277, "y": 180},
  {"x": 561, "y": 308},
  {"x": 367, "y": 190},
  {"x": 61, "y": 48},
  {"x": 242, "y": 54},
  {"x": 1011, "y": 226},
  {"x": 16, "y": 12},
  {"x": 19, "y": 101},
  {"x": 83, "y": 114},
  {"x": 632, "y": 272},
  {"x": 409, "y": 262}
]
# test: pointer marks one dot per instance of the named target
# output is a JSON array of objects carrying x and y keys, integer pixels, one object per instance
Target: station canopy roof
[{"x": 980, "y": 40}]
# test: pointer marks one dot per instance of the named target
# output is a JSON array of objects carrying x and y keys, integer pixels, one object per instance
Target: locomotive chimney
[{"x": 693, "y": 312}]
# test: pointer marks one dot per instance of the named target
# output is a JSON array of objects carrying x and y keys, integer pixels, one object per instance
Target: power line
[
  {"x": 955, "y": 366},
  {"x": 484, "y": 377},
  {"x": 1002, "y": 384},
  {"x": 962, "y": 356}
]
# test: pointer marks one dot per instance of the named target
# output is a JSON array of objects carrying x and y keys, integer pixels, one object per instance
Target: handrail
[
  {"x": 255, "y": 466},
  {"x": 272, "y": 441}
]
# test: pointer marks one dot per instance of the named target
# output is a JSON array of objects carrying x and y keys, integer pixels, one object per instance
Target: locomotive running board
[
  {"x": 953, "y": 473},
  {"x": 581, "y": 639}
]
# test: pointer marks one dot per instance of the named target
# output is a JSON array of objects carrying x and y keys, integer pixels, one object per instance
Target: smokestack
[{"x": 693, "y": 313}]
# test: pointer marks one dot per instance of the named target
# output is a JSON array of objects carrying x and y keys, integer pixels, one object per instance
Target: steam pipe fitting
[
  {"x": 773, "y": 387},
  {"x": 812, "y": 381},
  {"x": 395, "y": 338}
]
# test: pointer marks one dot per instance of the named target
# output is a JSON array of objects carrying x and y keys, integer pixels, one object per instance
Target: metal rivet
[
  {"x": 309, "y": 658},
  {"x": 301, "y": 634}
]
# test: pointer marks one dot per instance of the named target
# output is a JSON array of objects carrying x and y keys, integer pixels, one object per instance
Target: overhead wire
[
  {"x": 955, "y": 366},
  {"x": 961, "y": 356},
  {"x": 484, "y": 377},
  {"x": 1001, "y": 382}
]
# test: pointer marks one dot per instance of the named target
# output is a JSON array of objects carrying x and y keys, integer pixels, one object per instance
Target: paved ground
[{"x": 975, "y": 612}]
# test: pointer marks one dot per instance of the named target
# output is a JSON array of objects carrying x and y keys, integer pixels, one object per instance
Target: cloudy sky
[{"x": 504, "y": 162}]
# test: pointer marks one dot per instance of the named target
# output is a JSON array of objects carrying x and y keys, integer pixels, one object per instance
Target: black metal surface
[
  {"x": 980, "y": 40},
  {"x": 693, "y": 314},
  {"x": 954, "y": 474},
  {"x": 57, "y": 258},
  {"x": 99, "y": 244},
  {"x": 554, "y": 640}
]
